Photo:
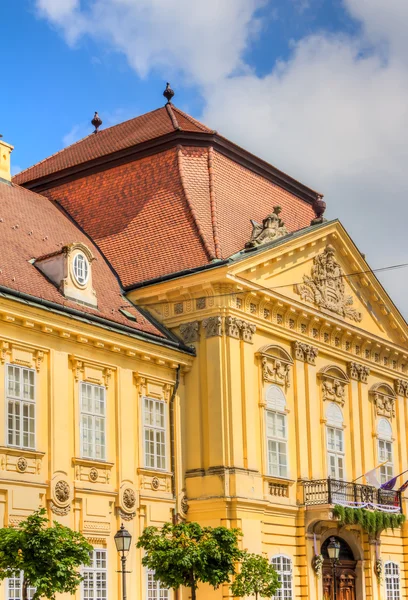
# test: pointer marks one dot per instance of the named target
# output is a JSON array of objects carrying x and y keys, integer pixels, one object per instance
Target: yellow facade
[{"x": 262, "y": 349}]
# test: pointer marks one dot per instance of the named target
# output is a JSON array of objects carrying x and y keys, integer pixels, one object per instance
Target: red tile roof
[
  {"x": 167, "y": 212},
  {"x": 146, "y": 127},
  {"x": 30, "y": 227}
]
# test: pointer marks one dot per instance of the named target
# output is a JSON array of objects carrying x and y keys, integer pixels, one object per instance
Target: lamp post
[
  {"x": 123, "y": 540},
  {"x": 333, "y": 550}
]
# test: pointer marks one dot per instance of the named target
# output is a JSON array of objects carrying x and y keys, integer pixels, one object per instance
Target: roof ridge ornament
[
  {"x": 96, "y": 122},
  {"x": 271, "y": 229},
  {"x": 319, "y": 206},
  {"x": 168, "y": 93}
]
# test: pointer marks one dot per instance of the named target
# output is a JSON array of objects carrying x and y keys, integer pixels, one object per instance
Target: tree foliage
[
  {"x": 49, "y": 556},
  {"x": 188, "y": 554},
  {"x": 257, "y": 578}
]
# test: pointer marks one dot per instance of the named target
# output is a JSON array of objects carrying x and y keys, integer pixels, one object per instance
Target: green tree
[
  {"x": 188, "y": 554},
  {"x": 257, "y": 578},
  {"x": 49, "y": 556}
]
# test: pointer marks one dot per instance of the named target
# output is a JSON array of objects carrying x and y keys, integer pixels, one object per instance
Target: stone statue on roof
[{"x": 271, "y": 229}]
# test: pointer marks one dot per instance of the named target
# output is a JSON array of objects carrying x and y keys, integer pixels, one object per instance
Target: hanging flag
[
  {"x": 404, "y": 486},
  {"x": 389, "y": 485},
  {"x": 372, "y": 478}
]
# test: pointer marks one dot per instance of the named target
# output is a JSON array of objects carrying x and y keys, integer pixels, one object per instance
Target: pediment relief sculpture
[
  {"x": 276, "y": 364},
  {"x": 383, "y": 397},
  {"x": 271, "y": 229},
  {"x": 334, "y": 382},
  {"x": 325, "y": 286}
]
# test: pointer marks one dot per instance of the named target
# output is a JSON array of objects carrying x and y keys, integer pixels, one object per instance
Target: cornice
[{"x": 167, "y": 142}]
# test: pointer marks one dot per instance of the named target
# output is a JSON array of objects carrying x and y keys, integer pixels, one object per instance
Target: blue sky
[{"x": 319, "y": 88}]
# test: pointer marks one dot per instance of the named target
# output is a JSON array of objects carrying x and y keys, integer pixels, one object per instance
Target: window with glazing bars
[
  {"x": 385, "y": 454},
  {"x": 93, "y": 421},
  {"x": 276, "y": 444},
  {"x": 20, "y": 388},
  {"x": 392, "y": 581},
  {"x": 283, "y": 567},
  {"x": 154, "y": 433},
  {"x": 15, "y": 588},
  {"x": 94, "y": 583},
  {"x": 155, "y": 590}
]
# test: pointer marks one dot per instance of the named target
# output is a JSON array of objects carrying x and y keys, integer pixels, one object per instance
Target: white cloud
[{"x": 334, "y": 115}]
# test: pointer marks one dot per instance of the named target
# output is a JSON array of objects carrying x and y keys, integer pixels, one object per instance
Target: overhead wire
[{"x": 277, "y": 287}]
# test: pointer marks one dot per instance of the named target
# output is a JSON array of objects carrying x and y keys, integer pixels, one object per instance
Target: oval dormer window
[{"x": 81, "y": 269}]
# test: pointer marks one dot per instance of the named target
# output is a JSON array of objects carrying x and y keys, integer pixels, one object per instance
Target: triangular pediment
[{"x": 323, "y": 271}]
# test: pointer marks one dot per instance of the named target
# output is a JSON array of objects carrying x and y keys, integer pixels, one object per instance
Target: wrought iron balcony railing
[{"x": 335, "y": 491}]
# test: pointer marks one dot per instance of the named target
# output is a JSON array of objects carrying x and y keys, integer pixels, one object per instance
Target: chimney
[{"x": 5, "y": 151}]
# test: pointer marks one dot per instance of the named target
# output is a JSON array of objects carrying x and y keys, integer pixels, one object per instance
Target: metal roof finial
[
  {"x": 96, "y": 122},
  {"x": 168, "y": 93}
]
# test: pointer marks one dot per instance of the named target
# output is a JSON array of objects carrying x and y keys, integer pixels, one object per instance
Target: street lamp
[
  {"x": 333, "y": 550},
  {"x": 123, "y": 540}
]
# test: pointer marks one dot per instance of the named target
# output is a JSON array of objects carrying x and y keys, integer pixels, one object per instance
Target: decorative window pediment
[
  {"x": 334, "y": 381},
  {"x": 276, "y": 364},
  {"x": 383, "y": 397}
]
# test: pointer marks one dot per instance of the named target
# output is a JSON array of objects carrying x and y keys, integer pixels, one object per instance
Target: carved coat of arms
[{"x": 325, "y": 286}]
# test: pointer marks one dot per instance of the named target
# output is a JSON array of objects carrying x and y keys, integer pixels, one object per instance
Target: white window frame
[
  {"x": 276, "y": 409},
  {"x": 19, "y": 587},
  {"x": 83, "y": 278},
  {"x": 392, "y": 581},
  {"x": 156, "y": 592},
  {"x": 335, "y": 424},
  {"x": 94, "y": 571},
  {"x": 21, "y": 402},
  {"x": 385, "y": 449},
  {"x": 280, "y": 593},
  {"x": 92, "y": 415},
  {"x": 155, "y": 429}
]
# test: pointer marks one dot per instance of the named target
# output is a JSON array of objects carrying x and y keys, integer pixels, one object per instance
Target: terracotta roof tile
[
  {"x": 124, "y": 135},
  {"x": 30, "y": 227}
]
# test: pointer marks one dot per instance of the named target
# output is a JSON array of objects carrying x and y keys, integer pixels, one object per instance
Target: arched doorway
[{"x": 344, "y": 572}]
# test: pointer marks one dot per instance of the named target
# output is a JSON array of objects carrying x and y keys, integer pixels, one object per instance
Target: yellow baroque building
[{"x": 164, "y": 359}]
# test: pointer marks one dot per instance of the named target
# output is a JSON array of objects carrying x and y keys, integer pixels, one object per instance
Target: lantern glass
[
  {"x": 123, "y": 539},
  {"x": 333, "y": 549}
]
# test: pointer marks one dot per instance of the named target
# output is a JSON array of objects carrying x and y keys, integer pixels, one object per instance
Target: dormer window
[
  {"x": 81, "y": 269},
  {"x": 70, "y": 269}
]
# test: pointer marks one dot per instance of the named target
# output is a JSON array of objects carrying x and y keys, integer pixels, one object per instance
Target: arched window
[
  {"x": 384, "y": 431},
  {"x": 392, "y": 581},
  {"x": 276, "y": 432},
  {"x": 283, "y": 567},
  {"x": 335, "y": 441}
]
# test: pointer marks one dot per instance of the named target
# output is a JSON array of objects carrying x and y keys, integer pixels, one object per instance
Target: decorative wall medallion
[
  {"x": 22, "y": 464},
  {"x": 190, "y": 332},
  {"x": 325, "y": 287},
  {"x": 358, "y": 372},
  {"x": 62, "y": 511},
  {"x": 271, "y": 229},
  {"x": 93, "y": 474},
  {"x": 213, "y": 326},
  {"x": 401, "y": 387},
  {"x": 305, "y": 352},
  {"x": 383, "y": 398},
  {"x": 62, "y": 491},
  {"x": 129, "y": 498},
  {"x": 155, "y": 483}
]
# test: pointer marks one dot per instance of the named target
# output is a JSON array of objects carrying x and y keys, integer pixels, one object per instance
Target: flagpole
[{"x": 377, "y": 467}]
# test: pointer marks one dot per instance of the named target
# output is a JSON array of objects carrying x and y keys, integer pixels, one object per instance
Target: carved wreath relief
[
  {"x": 325, "y": 286},
  {"x": 62, "y": 491},
  {"x": 129, "y": 498}
]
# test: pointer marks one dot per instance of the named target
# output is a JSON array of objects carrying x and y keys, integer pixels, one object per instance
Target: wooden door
[{"x": 345, "y": 583}]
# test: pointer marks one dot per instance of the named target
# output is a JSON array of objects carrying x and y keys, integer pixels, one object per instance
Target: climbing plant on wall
[{"x": 371, "y": 521}]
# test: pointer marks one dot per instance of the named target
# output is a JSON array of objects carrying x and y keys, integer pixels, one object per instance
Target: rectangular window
[
  {"x": 392, "y": 581},
  {"x": 385, "y": 454},
  {"x": 93, "y": 421},
  {"x": 20, "y": 389},
  {"x": 335, "y": 452},
  {"x": 94, "y": 584},
  {"x": 154, "y": 433},
  {"x": 15, "y": 588},
  {"x": 155, "y": 590},
  {"x": 276, "y": 444},
  {"x": 283, "y": 567}
]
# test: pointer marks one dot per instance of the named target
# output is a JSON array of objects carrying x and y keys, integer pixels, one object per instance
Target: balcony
[{"x": 355, "y": 495}]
